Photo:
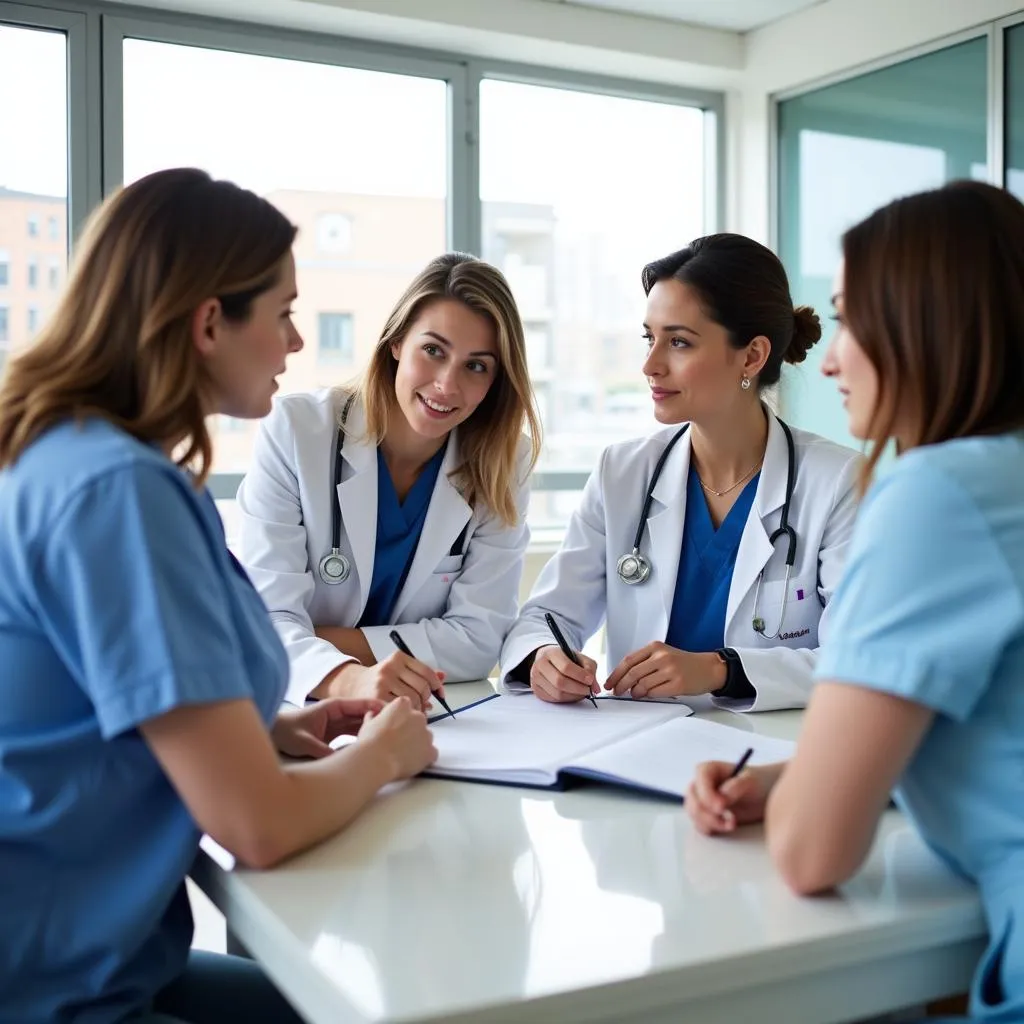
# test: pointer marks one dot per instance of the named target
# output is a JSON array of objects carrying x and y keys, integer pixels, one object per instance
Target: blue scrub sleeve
[
  {"x": 927, "y": 604},
  {"x": 133, "y": 596}
]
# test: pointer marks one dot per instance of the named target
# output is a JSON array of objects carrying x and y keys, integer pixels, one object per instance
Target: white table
[{"x": 465, "y": 903}]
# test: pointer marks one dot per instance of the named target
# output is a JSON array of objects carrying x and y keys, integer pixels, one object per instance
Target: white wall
[{"x": 825, "y": 40}]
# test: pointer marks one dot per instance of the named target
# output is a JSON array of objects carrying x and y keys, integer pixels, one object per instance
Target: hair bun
[{"x": 806, "y": 332}]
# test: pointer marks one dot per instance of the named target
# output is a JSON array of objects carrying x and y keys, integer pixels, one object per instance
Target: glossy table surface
[{"x": 451, "y": 901}]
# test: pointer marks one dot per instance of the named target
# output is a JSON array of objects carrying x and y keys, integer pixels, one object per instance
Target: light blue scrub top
[
  {"x": 399, "y": 525},
  {"x": 706, "y": 563},
  {"x": 930, "y": 609},
  {"x": 118, "y": 602}
]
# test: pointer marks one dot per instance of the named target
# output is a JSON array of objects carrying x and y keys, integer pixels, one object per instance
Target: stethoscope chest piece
[
  {"x": 633, "y": 568},
  {"x": 335, "y": 568}
]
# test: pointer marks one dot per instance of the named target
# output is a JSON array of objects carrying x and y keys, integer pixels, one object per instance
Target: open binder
[{"x": 646, "y": 746}]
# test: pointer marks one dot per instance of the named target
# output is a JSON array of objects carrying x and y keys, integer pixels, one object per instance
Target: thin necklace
[{"x": 720, "y": 494}]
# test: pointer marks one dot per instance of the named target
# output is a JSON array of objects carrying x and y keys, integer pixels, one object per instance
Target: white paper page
[
  {"x": 665, "y": 758},
  {"x": 513, "y": 734}
]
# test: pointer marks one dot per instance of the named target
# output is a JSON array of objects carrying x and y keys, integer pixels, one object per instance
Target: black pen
[
  {"x": 741, "y": 764},
  {"x": 397, "y": 640},
  {"x": 566, "y": 649}
]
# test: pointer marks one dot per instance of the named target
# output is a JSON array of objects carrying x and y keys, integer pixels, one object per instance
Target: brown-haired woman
[
  {"x": 921, "y": 680},
  {"x": 710, "y": 549},
  {"x": 141, "y": 674},
  {"x": 401, "y": 502}
]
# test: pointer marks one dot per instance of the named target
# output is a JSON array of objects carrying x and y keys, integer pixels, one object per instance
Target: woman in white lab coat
[
  {"x": 696, "y": 594},
  {"x": 400, "y": 502}
]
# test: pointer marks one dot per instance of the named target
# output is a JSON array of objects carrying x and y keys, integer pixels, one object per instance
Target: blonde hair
[
  {"x": 119, "y": 344},
  {"x": 489, "y": 439}
]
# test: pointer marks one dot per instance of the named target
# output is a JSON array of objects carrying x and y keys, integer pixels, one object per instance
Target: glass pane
[
  {"x": 845, "y": 150},
  {"x": 1014, "y": 50},
  {"x": 33, "y": 180},
  {"x": 365, "y": 181},
  {"x": 578, "y": 192}
]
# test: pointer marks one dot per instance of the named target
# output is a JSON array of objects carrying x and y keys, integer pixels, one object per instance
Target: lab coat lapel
[
  {"x": 665, "y": 533},
  {"x": 357, "y": 497},
  {"x": 447, "y": 514},
  {"x": 755, "y": 547}
]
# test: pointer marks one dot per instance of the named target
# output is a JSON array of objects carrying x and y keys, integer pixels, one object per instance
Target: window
[
  {"x": 190, "y": 106},
  {"x": 851, "y": 147},
  {"x": 34, "y": 177},
  {"x": 54, "y": 228},
  {"x": 335, "y": 338},
  {"x": 54, "y": 275},
  {"x": 570, "y": 215}
]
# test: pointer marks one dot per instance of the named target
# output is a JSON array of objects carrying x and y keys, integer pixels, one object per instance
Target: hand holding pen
[
  {"x": 396, "y": 639},
  {"x": 723, "y": 796},
  {"x": 562, "y": 676}
]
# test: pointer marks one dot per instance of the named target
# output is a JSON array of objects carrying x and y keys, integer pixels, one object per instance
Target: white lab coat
[
  {"x": 581, "y": 588},
  {"x": 454, "y": 609}
]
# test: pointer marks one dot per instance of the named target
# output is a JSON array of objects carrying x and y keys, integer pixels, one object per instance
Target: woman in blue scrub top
[
  {"x": 414, "y": 483},
  {"x": 922, "y": 679},
  {"x": 142, "y": 678},
  {"x": 721, "y": 612}
]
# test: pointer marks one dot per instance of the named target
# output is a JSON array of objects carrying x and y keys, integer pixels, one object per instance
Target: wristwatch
[{"x": 737, "y": 685}]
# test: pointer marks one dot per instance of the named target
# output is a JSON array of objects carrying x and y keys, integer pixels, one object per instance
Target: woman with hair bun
[{"x": 712, "y": 547}]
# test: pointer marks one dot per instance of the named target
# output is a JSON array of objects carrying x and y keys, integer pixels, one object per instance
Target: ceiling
[{"x": 736, "y": 15}]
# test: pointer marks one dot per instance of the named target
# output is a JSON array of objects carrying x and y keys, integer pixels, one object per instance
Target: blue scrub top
[
  {"x": 706, "y": 563},
  {"x": 399, "y": 525},
  {"x": 930, "y": 608},
  {"x": 118, "y": 602}
]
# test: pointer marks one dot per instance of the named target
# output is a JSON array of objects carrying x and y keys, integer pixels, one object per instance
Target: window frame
[{"x": 96, "y": 34}]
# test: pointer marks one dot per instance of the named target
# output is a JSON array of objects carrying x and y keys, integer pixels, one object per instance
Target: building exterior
[{"x": 33, "y": 260}]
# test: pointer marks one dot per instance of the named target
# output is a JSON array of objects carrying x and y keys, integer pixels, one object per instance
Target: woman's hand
[
  {"x": 555, "y": 678},
  {"x": 307, "y": 732},
  {"x": 398, "y": 675},
  {"x": 717, "y": 803},
  {"x": 399, "y": 733},
  {"x": 658, "y": 670}
]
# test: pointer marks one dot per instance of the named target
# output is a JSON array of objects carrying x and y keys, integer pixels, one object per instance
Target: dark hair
[
  {"x": 934, "y": 295},
  {"x": 743, "y": 286},
  {"x": 119, "y": 344}
]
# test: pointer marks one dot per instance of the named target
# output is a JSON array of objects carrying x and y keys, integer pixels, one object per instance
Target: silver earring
[{"x": 745, "y": 383}]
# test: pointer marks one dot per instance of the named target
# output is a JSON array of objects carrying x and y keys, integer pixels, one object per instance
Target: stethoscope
[
  {"x": 634, "y": 568},
  {"x": 335, "y": 567}
]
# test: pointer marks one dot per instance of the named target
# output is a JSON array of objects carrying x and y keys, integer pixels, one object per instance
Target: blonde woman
[
  {"x": 141, "y": 675},
  {"x": 399, "y": 504}
]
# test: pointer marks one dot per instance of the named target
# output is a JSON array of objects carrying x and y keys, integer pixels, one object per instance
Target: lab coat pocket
[
  {"x": 799, "y": 625},
  {"x": 448, "y": 569}
]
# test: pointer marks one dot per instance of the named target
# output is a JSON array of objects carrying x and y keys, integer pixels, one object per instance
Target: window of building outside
[
  {"x": 335, "y": 338},
  {"x": 54, "y": 275},
  {"x": 849, "y": 148},
  {"x": 570, "y": 215},
  {"x": 54, "y": 228},
  {"x": 186, "y": 105},
  {"x": 34, "y": 177}
]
